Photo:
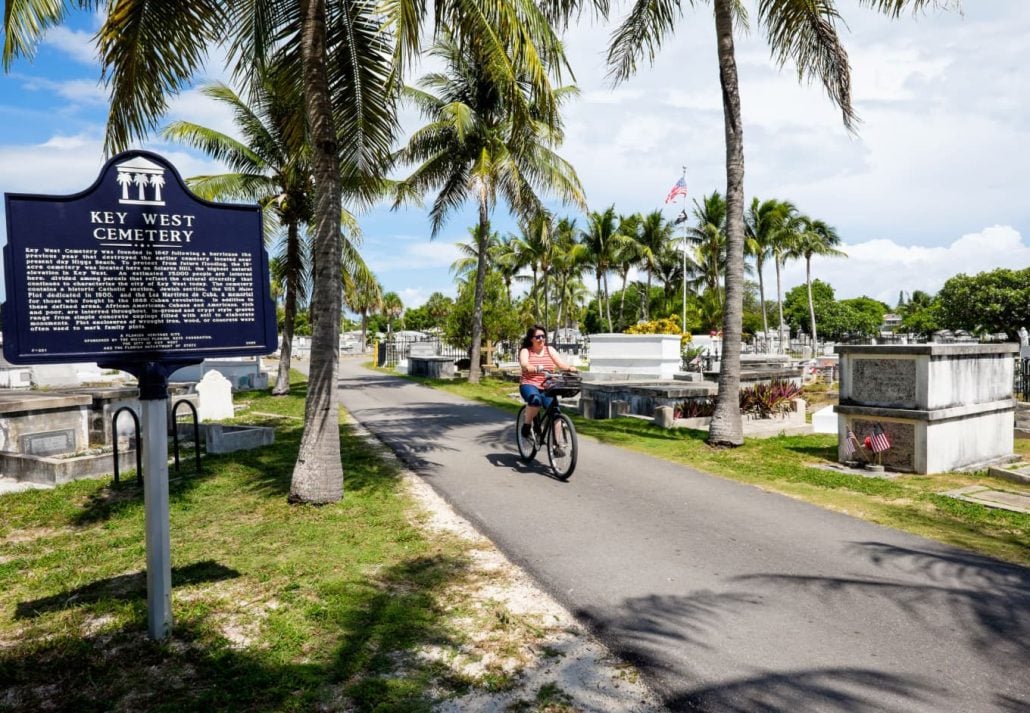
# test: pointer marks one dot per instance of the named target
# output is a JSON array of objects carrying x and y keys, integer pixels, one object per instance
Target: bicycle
[{"x": 552, "y": 426}]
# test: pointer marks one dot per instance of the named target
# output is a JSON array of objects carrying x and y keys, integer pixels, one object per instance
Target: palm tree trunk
[
  {"x": 726, "y": 428},
  {"x": 647, "y": 303},
  {"x": 600, "y": 300},
  {"x": 622, "y": 299},
  {"x": 608, "y": 303},
  {"x": 318, "y": 474},
  {"x": 282, "y": 379},
  {"x": 477, "y": 310},
  {"x": 547, "y": 295},
  {"x": 761, "y": 301},
  {"x": 811, "y": 304},
  {"x": 779, "y": 299}
]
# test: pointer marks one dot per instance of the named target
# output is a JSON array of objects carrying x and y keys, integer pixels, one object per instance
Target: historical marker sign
[{"x": 134, "y": 269}]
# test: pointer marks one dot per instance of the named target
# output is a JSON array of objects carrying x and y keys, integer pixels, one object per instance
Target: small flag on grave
[
  {"x": 879, "y": 441},
  {"x": 849, "y": 444}
]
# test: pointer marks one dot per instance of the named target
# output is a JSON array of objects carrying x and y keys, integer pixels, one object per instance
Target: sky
[{"x": 933, "y": 184}]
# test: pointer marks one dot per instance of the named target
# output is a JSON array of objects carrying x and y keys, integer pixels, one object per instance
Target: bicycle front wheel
[
  {"x": 562, "y": 448},
  {"x": 527, "y": 444}
]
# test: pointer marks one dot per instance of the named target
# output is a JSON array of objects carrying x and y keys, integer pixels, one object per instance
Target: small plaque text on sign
[
  {"x": 48, "y": 443},
  {"x": 884, "y": 382}
]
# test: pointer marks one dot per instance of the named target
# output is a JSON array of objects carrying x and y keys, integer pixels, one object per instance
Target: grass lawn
[
  {"x": 789, "y": 465},
  {"x": 277, "y": 607}
]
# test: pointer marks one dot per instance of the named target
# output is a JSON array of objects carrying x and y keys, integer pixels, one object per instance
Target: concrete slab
[
  {"x": 861, "y": 472},
  {"x": 993, "y": 498},
  {"x": 13, "y": 485},
  {"x": 1016, "y": 472}
]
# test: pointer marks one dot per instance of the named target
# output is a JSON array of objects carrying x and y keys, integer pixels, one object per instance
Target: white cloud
[
  {"x": 76, "y": 44},
  {"x": 413, "y": 255},
  {"x": 881, "y": 268}
]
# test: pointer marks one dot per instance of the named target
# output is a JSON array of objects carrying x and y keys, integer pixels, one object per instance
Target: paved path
[{"x": 727, "y": 597}]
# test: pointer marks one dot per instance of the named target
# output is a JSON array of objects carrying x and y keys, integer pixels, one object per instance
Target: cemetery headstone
[{"x": 214, "y": 394}]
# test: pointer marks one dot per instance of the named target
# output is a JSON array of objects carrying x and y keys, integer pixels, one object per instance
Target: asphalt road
[{"x": 727, "y": 598}]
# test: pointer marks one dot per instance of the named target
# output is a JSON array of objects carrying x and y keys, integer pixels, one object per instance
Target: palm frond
[
  {"x": 148, "y": 51},
  {"x": 805, "y": 32},
  {"x": 641, "y": 35}
]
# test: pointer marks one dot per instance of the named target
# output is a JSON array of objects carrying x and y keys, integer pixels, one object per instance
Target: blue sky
[{"x": 934, "y": 183}]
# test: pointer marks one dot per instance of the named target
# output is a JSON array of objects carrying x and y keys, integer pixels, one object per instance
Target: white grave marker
[{"x": 214, "y": 393}]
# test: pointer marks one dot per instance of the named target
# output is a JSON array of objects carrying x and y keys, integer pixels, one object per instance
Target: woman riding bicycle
[{"x": 536, "y": 357}]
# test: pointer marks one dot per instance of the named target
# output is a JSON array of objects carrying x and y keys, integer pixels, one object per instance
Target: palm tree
[
  {"x": 763, "y": 222},
  {"x": 391, "y": 307},
  {"x": 271, "y": 166},
  {"x": 816, "y": 238},
  {"x": 566, "y": 266},
  {"x": 709, "y": 235},
  {"x": 783, "y": 247},
  {"x": 484, "y": 142},
  {"x": 656, "y": 234},
  {"x": 363, "y": 296},
  {"x": 534, "y": 250},
  {"x": 627, "y": 256},
  {"x": 802, "y": 32},
  {"x": 600, "y": 242}
]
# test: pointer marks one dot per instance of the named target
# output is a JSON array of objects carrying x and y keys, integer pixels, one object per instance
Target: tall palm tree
[
  {"x": 783, "y": 247},
  {"x": 534, "y": 248},
  {"x": 599, "y": 243},
  {"x": 627, "y": 256},
  {"x": 656, "y": 234},
  {"x": 271, "y": 166},
  {"x": 566, "y": 266},
  {"x": 763, "y": 222},
  {"x": 800, "y": 31},
  {"x": 709, "y": 236},
  {"x": 391, "y": 307},
  {"x": 484, "y": 142},
  {"x": 363, "y": 295},
  {"x": 816, "y": 238}
]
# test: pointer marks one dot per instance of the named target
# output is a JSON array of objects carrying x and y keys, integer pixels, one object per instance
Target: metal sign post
[
  {"x": 136, "y": 273},
  {"x": 155, "y": 500}
]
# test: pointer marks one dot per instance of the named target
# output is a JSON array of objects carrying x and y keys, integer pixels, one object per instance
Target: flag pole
[{"x": 683, "y": 323}]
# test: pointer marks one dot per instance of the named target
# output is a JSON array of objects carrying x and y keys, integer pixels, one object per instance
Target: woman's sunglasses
[{"x": 539, "y": 336}]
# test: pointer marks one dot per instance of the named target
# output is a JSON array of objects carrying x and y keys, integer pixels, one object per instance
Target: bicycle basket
[{"x": 564, "y": 385}]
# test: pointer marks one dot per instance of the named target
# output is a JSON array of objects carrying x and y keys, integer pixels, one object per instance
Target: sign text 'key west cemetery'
[{"x": 134, "y": 269}]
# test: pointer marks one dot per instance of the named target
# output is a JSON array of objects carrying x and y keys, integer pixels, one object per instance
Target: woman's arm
[{"x": 524, "y": 361}]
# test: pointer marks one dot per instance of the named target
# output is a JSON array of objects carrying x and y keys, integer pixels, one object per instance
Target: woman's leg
[{"x": 531, "y": 395}]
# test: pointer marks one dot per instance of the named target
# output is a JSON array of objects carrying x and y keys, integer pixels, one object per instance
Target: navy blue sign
[{"x": 134, "y": 269}]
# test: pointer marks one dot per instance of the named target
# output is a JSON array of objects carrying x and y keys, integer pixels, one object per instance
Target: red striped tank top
[{"x": 542, "y": 359}]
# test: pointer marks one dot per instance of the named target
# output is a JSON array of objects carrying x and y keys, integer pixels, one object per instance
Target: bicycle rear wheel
[
  {"x": 562, "y": 448},
  {"x": 527, "y": 445}
]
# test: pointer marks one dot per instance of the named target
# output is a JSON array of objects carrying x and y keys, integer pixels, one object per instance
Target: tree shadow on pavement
[{"x": 644, "y": 630}]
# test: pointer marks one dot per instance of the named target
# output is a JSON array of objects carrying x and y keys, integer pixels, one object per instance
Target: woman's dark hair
[{"x": 527, "y": 341}]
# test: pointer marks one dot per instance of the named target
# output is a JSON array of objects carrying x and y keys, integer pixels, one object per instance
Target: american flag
[
  {"x": 849, "y": 444},
  {"x": 680, "y": 189},
  {"x": 879, "y": 441}
]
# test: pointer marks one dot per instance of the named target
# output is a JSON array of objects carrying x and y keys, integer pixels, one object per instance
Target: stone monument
[{"x": 943, "y": 406}]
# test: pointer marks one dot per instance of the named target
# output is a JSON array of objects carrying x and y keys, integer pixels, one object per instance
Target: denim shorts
[{"x": 533, "y": 396}]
